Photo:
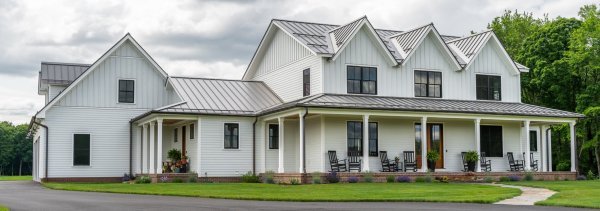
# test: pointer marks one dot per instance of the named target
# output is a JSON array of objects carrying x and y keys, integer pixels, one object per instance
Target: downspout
[
  {"x": 304, "y": 140},
  {"x": 46, "y": 160},
  {"x": 254, "y": 146},
  {"x": 130, "y": 149},
  {"x": 548, "y": 152}
]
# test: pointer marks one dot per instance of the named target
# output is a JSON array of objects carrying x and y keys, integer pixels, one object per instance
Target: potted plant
[
  {"x": 432, "y": 157},
  {"x": 174, "y": 155},
  {"x": 471, "y": 157},
  {"x": 397, "y": 159}
]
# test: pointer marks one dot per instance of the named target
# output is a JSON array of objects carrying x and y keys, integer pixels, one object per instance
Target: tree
[{"x": 513, "y": 27}]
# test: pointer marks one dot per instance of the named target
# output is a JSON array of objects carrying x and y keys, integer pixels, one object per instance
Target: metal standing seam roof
[
  {"x": 220, "y": 96},
  {"x": 470, "y": 45},
  {"x": 408, "y": 40},
  {"x": 423, "y": 105},
  {"x": 342, "y": 33},
  {"x": 55, "y": 73}
]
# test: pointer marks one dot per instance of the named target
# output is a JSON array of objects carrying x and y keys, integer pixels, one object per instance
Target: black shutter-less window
[
  {"x": 231, "y": 136},
  {"x": 361, "y": 80},
  {"x": 354, "y": 134},
  {"x": 81, "y": 149},
  {"x": 126, "y": 91},
  {"x": 273, "y": 136},
  {"x": 306, "y": 82},
  {"x": 533, "y": 141},
  {"x": 428, "y": 84},
  {"x": 491, "y": 140}
]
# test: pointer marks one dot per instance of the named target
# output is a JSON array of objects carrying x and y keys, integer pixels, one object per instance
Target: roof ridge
[
  {"x": 215, "y": 79},
  {"x": 308, "y": 22},
  {"x": 341, "y": 26},
  {"x": 411, "y": 30},
  {"x": 476, "y": 34},
  {"x": 66, "y": 63}
]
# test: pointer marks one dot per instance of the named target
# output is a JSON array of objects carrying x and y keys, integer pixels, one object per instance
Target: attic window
[
  {"x": 362, "y": 80},
  {"x": 126, "y": 91}
]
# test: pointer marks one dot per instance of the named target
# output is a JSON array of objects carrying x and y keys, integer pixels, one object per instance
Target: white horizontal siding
[{"x": 313, "y": 140}]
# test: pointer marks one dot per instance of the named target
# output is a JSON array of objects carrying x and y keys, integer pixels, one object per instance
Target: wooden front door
[
  {"x": 183, "y": 141},
  {"x": 435, "y": 142}
]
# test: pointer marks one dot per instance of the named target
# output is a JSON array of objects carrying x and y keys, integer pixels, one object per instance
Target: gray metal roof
[
  {"x": 55, "y": 73},
  {"x": 470, "y": 45},
  {"x": 423, "y": 104},
  {"x": 342, "y": 33},
  {"x": 218, "y": 96},
  {"x": 408, "y": 40}
]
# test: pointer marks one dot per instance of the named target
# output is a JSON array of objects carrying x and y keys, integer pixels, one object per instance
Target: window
[
  {"x": 273, "y": 136},
  {"x": 428, "y": 84},
  {"x": 418, "y": 139},
  {"x": 488, "y": 87},
  {"x": 175, "y": 135},
  {"x": 81, "y": 149},
  {"x": 306, "y": 82},
  {"x": 373, "y": 139},
  {"x": 491, "y": 140},
  {"x": 354, "y": 134},
  {"x": 192, "y": 131},
  {"x": 533, "y": 141},
  {"x": 126, "y": 91},
  {"x": 231, "y": 136},
  {"x": 362, "y": 80}
]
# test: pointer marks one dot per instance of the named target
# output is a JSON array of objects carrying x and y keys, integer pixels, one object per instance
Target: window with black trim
[
  {"x": 533, "y": 141},
  {"x": 192, "y": 129},
  {"x": 361, "y": 80},
  {"x": 175, "y": 135},
  {"x": 355, "y": 135},
  {"x": 488, "y": 87},
  {"x": 491, "y": 140},
  {"x": 81, "y": 149},
  {"x": 428, "y": 84},
  {"x": 373, "y": 139},
  {"x": 273, "y": 136},
  {"x": 126, "y": 91},
  {"x": 306, "y": 82},
  {"x": 231, "y": 136}
]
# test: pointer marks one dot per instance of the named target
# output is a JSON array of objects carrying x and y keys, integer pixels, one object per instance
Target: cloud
[{"x": 212, "y": 38}]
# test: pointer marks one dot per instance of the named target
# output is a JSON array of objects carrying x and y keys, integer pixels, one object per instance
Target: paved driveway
[{"x": 26, "y": 195}]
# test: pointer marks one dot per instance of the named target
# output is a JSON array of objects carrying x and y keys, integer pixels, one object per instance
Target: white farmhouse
[{"x": 310, "y": 91}]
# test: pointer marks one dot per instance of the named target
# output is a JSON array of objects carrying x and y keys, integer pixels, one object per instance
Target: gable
[
  {"x": 491, "y": 60},
  {"x": 430, "y": 54},
  {"x": 366, "y": 28},
  {"x": 363, "y": 49},
  {"x": 280, "y": 50}
]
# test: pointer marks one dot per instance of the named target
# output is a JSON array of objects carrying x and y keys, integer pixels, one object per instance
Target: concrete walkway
[{"x": 529, "y": 196}]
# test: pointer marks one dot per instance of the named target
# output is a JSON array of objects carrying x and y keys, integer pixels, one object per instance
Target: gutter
[
  {"x": 254, "y": 146},
  {"x": 304, "y": 140},
  {"x": 47, "y": 143}
]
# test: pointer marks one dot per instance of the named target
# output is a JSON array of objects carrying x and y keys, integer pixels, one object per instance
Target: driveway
[{"x": 26, "y": 195}]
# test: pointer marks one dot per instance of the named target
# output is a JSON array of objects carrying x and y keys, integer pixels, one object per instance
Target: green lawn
[
  {"x": 570, "y": 193},
  {"x": 427, "y": 192},
  {"x": 14, "y": 178},
  {"x": 3, "y": 208}
]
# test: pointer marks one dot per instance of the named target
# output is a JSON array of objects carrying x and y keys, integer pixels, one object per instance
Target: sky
[{"x": 211, "y": 38}]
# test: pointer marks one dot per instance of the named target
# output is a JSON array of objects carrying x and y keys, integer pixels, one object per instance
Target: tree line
[
  {"x": 563, "y": 55},
  {"x": 15, "y": 149}
]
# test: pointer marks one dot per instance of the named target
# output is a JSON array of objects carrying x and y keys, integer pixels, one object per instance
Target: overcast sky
[{"x": 201, "y": 38}]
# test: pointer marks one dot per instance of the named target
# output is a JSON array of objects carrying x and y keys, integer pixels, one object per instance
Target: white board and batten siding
[
  {"x": 281, "y": 67},
  {"x": 91, "y": 106},
  {"x": 490, "y": 61}
]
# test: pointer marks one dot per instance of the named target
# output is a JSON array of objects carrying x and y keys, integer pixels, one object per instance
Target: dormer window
[
  {"x": 489, "y": 87},
  {"x": 428, "y": 84},
  {"x": 126, "y": 91},
  {"x": 362, "y": 80}
]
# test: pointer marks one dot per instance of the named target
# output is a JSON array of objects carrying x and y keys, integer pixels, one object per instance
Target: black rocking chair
[
  {"x": 354, "y": 161},
  {"x": 409, "y": 161},
  {"x": 387, "y": 165},
  {"x": 533, "y": 164},
  {"x": 515, "y": 165},
  {"x": 486, "y": 165},
  {"x": 337, "y": 165}
]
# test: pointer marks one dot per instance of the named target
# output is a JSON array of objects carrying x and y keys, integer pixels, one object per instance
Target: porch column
[
  {"x": 424, "y": 144},
  {"x": 543, "y": 151},
  {"x": 527, "y": 143},
  {"x": 159, "y": 145},
  {"x": 280, "y": 169},
  {"x": 478, "y": 142},
  {"x": 573, "y": 159},
  {"x": 145, "y": 149},
  {"x": 549, "y": 150},
  {"x": 365, "y": 143},
  {"x": 152, "y": 169},
  {"x": 301, "y": 131}
]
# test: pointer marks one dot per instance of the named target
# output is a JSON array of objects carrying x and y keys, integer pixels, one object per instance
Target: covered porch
[{"x": 299, "y": 140}]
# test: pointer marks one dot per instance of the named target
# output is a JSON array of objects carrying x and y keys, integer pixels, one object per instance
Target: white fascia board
[
  {"x": 373, "y": 33},
  {"x": 294, "y": 37}
]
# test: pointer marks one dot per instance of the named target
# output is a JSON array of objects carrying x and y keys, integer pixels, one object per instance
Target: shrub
[
  {"x": 268, "y": 177},
  {"x": 514, "y": 178},
  {"x": 580, "y": 177},
  {"x": 528, "y": 176},
  {"x": 403, "y": 179},
  {"x": 563, "y": 166},
  {"x": 420, "y": 179},
  {"x": 174, "y": 155},
  {"x": 164, "y": 179},
  {"x": 249, "y": 177},
  {"x": 488, "y": 179},
  {"x": 471, "y": 156},
  {"x": 433, "y": 155},
  {"x": 143, "y": 180},
  {"x": 504, "y": 179},
  {"x": 316, "y": 177},
  {"x": 353, "y": 179},
  {"x": 177, "y": 180},
  {"x": 590, "y": 175},
  {"x": 368, "y": 177},
  {"x": 126, "y": 177},
  {"x": 193, "y": 179},
  {"x": 294, "y": 181},
  {"x": 332, "y": 177},
  {"x": 389, "y": 178},
  {"x": 444, "y": 179}
]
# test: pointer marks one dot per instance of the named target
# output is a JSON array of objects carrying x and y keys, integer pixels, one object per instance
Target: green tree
[{"x": 513, "y": 27}]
